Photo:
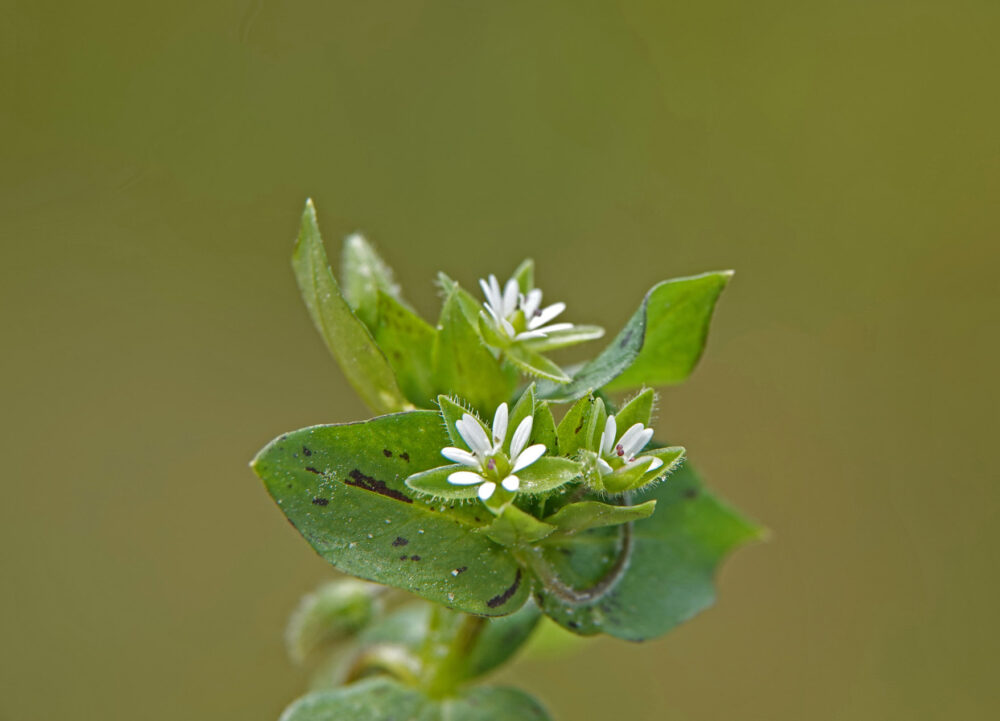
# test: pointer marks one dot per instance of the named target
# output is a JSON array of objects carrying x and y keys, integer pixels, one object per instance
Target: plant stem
[{"x": 450, "y": 639}]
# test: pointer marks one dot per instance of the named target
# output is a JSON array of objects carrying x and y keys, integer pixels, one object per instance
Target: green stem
[{"x": 446, "y": 650}]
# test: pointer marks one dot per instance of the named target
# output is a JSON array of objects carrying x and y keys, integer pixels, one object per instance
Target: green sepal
[
  {"x": 535, "y": 364},
  {"x": 563, "y": 338},
  {"x": 452, "y": 412},
  {"x": 365, "y": 275},
  {"x": 514, "y": 527},
  {"x": 584, "y": 515},
  {"x": 544, "y": 429},
  {"x": 546, "y": 474},
  {"x": 489, "y": 332},
  {"x": 463, "y": 365},
  {"x": 573, "y": 429},
  {"x": 634, "y": 477},
  {"x": 525, "y": 275},
  {"x": 637, "y": 410},
  {"x": 435, "y": 483},
  {"x": 524, "y": 407},
  {"x": 407, "y": 341},
  {"x": 347, "y": 337}
]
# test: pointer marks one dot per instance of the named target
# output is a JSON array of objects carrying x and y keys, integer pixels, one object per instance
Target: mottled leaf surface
[{"x": 342, "y": 487}]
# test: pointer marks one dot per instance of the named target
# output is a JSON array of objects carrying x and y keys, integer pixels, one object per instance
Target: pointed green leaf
[
  {"x": 435, "y": 483},
  {"x": 535, "y": 364},
  {"x": 468, "y": 304},
  {"x": 547, "y": 474},
  {"x": 462, "y": 364},
  {"x": 660, "y": 344},
  {"x": 584, "y": 515},
  {"x": 342, "y": 487},
  {"x": 574, "y": 428},
  {"x": 365, "y": 275},
  {"x": 514, "y": 527},
  {"x": 669, "y": 576},
  {"x": 563, "y": 338},
  {"x": 345, "y": 334},
  {"x": 407, "y": 341},
  {"x": 637, "y": 410}
]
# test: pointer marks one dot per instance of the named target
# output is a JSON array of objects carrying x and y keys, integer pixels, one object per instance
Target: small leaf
[
  {"x": 573, "y": 429},
  {"x": 535, "y": 364},
  {"x": 547, "y": 474},
  {"x": 345, "y": 334},
  {"x": 514, "y": 527},
  {"x": 435, "y": 483},
  {"x": 329, "y": 613},
  {"x": 407, "y": 341},
  {"x": 365, "y": 275},
  {"x": 637, "y": 410},
  {"x": 563, "y": 338},
  {"x": 462, "y": 364},
  {"x": 668, "y": 577},
  {"x": 584, "y": 515},
  {"x": 342, "y": 487}
]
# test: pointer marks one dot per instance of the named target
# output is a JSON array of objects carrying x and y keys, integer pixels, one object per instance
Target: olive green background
[{"x": 841, "y": 156}]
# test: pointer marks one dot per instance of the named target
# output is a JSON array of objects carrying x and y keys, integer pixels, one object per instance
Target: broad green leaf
[
  {"x": 678, "y": 313},
  {"x": 347, "y": 337},
  {"x": 381, "y": 699},
  {"x": 407, "y": 341},
  {"x": 514, "y": 527},
  {"x": 525, "y": 276},
  {"x": 563, "y": 338},
  {"x": 669, "y": 576},
  {"x": 364, "y": 276},
  {"x": 637, "y": 410},
  {"x": 535, "y": 364},
  {"x": 435, "y": 483},
  {"x": 342, "y": 487},
  {"x": 462, "y": 364},
  {"x": 584, "y": 515},
  {"x": 660, "y": 344},
  {"x": 547, "y": 474}
]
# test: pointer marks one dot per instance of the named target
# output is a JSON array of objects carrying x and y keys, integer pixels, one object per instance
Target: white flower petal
[
  {"x": 556, "y": 327},
  {"x": 465, "y": 478},
  {"x": 638, "y": 442},
  {"x": 654, "y": 462},
  {"x": 608, "y": 439},
  {"x": 474, "y": 435},
  {"x": 486, "y": 490},
  {"x": 529, "y": 334},
  {"x": 511, "y": 483},
  {"x": 546, "y": 315},
  {"x": 628, "y": 439},
  {"x": 528, "y": 456},
  {"x": 531, "y": 303},
  {"x": 499, "y": 426},
  {"x": 604, "y": 466},
  {"x": 510, "y": 295},
  {"x": 520, "y": 437},
  {"x": 459, "y": 456},
  {"x": 508, "y": 328}
]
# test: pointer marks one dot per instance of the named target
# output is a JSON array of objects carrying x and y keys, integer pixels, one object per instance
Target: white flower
[
  {"x": 520, "y": 316},
  {"x": 489, "y": 463},
  {"x": 624, "y": 451}
]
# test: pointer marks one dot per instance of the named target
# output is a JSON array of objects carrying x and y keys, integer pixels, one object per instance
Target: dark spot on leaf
[
  {"x": 579, "y": 427},
  {"x": 320, "y": 501},
  {"x": 400, "y": 541},
  {"x": 403, "y": 557},
  {"x": 414, "y": 558},
  {"x": 306, "y": 451},
  {"x": 626, "y": 338},
  {"x": 506, "y": 595},
  {"x": 573, "y": 624},
  {"x": 387, "y": 453},
  {"x": 461, "y": 569},
  {"x": 405, "y": 457},
  {"x": 313, "y": 470},
  {"x": 360, "y": 480},
  {"x": 690, "y": 492}
]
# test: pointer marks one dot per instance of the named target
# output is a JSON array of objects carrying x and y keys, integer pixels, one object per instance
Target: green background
[{"x": 842, "y": 157}]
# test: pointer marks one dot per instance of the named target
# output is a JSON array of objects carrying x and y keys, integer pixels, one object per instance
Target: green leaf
[
  {"x": 514, "y": 527},
  {"x": 660, "y": 344},
  {"x": 562, "y": 338},
  {"x": 331, "y": 612},
  {"x": 535, "y": 364},
  {"x": 637, "y": 410},
  {"x": 544, "y": 429},
  {"x": 407, "y": 341},
  {"x": 584, "y": 515},
  {"x": 470, "y": 307},
  {"x": 462, "y": 364},
  {"x": 345, "y": 334},
  {"x": 547, "y": 474},
  {"x": 574, "y": 428},
  {"x": 435, "y": 483},
  {"x": 452, "y": 412},
  {"x": 365, "y": 275},
  {"x": 342, "y": 487},
  {"x": 678, "y": 313},
  {"x": 669, "y": 576}
]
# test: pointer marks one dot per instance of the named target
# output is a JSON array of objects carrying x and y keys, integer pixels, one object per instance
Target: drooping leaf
[
  {"x": 584, "y": 515},
  {"x": 407, "y": 341},
  {"x": 660, "y": 344},
  {"x": 347, "y": 337},
  {"x": 669, "y": 576},
  {"x": 462, "y": 364},
  {"x": 364, "y": 276},
  {"x": 343, "y": 488}
]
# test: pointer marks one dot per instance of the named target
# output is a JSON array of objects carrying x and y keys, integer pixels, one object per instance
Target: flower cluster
[{"x": 520, "y": 316}]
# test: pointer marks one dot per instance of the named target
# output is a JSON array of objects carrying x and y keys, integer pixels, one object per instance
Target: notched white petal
[
  {"x": 521, "y": 436},
  {"x": 546, "y": 315},
  {"x": 528, "y": 456},
  {"x": 459, "y": 456},
  {"x": 473, "y": 434},
  {"x": 486, "y": 490},
  {"x": 608, "y": 439},
  {"x": 499, "y": 426},
  {"x": 511, "y": 483},
  {"x": 465, "y": 478}
]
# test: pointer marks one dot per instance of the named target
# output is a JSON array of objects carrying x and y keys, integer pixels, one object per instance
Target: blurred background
[{"x": 842, "y": 157}]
